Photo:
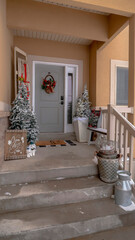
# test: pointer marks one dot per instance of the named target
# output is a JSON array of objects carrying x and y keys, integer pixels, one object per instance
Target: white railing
[{"x": 122, "y": 132}]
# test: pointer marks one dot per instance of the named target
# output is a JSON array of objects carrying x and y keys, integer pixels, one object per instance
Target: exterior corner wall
[{"x": 6, "y": 43}]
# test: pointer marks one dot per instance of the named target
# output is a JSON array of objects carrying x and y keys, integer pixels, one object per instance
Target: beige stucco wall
[
  {"x": 6, "y": 41},
  {"x": 56, "y": 50},
  {"x": 118, "y": 49}
]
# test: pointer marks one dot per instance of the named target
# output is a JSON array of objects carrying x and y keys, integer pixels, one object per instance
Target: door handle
[
  {"x": 62, "y": 102},
  {"x": 62, "y": 98}
]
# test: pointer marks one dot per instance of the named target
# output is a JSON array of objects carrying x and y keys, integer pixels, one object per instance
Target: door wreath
[{"x": 48, "y": 84}]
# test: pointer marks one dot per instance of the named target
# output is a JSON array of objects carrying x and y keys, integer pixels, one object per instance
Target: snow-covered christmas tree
[
  {"x": 83, "y": 105},
  {"x": 33, "y": 129},
  {"x": 21, "y": 115}
]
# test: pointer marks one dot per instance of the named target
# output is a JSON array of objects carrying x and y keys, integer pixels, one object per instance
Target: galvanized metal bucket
[{"x": 123, "y": 189}]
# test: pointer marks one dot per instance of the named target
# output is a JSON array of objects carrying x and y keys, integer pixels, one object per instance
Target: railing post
[
  {"x": 125, "y": 148},
  {"x": 120, "y": 138},
  {"x": 109, "y": 123},
  {"x": 110, "y": 132},
  {"x": 131, "y": 156}
]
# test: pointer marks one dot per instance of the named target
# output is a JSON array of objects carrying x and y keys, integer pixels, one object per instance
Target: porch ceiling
[
  {"x": 50, "y": 36},
  {"x": 58, "y": 3},
  {"x": 120, "y": 7}
]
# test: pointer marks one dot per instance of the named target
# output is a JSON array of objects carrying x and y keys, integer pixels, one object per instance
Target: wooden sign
[{"x": 15, "y": 144}]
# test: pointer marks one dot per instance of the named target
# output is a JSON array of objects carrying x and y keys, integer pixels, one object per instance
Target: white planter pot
[{"x": 80, "y": 128}]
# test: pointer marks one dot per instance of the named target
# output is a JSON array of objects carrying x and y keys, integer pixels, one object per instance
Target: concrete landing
[
  {"x": 53, "y": 157},
  {"x": 48, "y": 193},
  {"x": 122, "y": 233},
  {"x": 65, "y": 221},
  {"x": 50, "y": 163}
]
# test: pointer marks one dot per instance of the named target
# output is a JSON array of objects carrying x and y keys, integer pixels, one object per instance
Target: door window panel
[
  {"x": 70, "y": 98},
  {"x": 122, "y": 86}
]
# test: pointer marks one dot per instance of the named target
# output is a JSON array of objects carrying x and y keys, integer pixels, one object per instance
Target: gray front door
[{"x": 49, "y": 107}]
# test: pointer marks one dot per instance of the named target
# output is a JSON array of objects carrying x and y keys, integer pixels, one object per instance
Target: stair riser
[
  {"x": 55, "y": 198},
  {"x": 37, "y": 176},
  {"x": 67, "y": 231}
]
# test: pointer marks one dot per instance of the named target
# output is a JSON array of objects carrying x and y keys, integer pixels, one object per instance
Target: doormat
[
  {"x": 51, "y": 143},
  {"x": 70, "y": 142},
  {"x": 54, "y": 143}
]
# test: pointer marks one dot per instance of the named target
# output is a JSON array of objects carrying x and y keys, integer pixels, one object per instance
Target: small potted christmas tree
[{"x": 80, "y": 119}]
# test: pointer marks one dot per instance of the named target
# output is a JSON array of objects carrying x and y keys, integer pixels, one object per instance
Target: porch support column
[
  {"x": 131, "y": 81},
  {"x": 131, "y": 86}
]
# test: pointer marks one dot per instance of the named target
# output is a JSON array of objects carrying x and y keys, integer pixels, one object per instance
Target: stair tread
[
  {"x": 30, "y": 220},
  {"x": 46, "y": 187},
  {"x": 122, "y": 233}
]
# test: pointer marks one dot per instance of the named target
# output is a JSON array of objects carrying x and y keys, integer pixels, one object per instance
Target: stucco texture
[{"x": 118, "y": 49}]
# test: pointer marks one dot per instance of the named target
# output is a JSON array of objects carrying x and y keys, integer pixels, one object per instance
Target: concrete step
[
  {"x": 122, "y": 233},
  {"x": 65, "y": 221},
  {"x": 47, "y": 193},
  {"x": 50, "y": 173},
  {"x": 50, "y": 163}
]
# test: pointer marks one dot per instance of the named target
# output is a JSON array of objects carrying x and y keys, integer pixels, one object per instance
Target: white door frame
[
  {"x": 113, "y": 78},
  {"x": 68, "y": 64}
]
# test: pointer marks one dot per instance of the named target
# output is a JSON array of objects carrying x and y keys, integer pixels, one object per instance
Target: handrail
[
  {"x": 129, "y": 126},
  {"x": 122, "y": 131},
  {"x": 121, "y": 109}
]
